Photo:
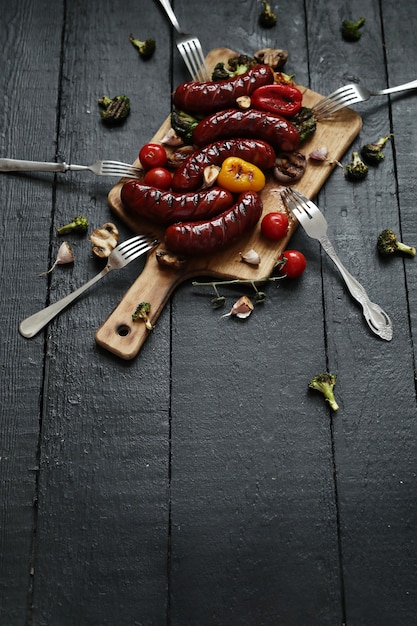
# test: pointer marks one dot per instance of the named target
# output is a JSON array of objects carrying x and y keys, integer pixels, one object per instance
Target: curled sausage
[
  {"x": 280, "y": 133},
  {"x": 189, "y": 175},
  {"x": 207, "y": 97},
  {"x": 167, "y": 207},
  {"x": 205, "y": 237}
]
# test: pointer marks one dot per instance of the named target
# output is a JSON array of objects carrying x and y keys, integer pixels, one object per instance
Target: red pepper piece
[{"x": 285, "y": 100}]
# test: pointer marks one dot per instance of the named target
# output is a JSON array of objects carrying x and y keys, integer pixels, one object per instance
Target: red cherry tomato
[
  {"x": 285, "y": 100},
  {"x": 158, "y": 177},
  {"x": 152, "y": 155},
  {"x": 274, "y": 225},
  {"x": 295, "y": 264}
]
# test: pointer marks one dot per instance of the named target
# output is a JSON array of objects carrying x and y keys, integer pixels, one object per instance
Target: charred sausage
[
  {"x": 205, "y": 237},
  {"x": 189, "y": 175},
  {"x": 207, "y": 97},
  {"x": 167, "y": 207},
  {"x": 272, "y": 128}
]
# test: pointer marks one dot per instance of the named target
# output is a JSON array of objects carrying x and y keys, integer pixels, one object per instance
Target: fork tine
[
  {"x": 120, "y": 169},
  {"x": 139, "y": 241},
  {"x": 342, "y": 97},
  {"x": 192, "y": 54},
  {"x": 133, "y": 254}
]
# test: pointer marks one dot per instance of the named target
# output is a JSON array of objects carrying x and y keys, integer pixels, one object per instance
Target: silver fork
[
  {"x": 101, "y": 168},
  {"x": 315, "y": 225},
  {"x": 189, "y": 47},
  {"x": 352, "y": 94},
  {"x": 123, "y": 254}
]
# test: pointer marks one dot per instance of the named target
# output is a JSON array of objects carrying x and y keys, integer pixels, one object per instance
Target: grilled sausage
[
  {"x": 207, "y": 97},
  {"x": 205, "y": 237},
  {"x": 167, "y": 207},
  {"x": 189, "y": 175},
  {"x": 272, "y": 128}
]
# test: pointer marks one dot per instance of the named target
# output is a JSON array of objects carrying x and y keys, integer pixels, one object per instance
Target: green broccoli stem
[{"x": 402, "y": 247}]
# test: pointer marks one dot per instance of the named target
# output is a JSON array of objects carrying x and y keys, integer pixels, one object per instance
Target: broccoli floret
[
  {"x": 114, "y": 110},
  {"x": 356, "y": 169},
  {"x": 372, "y": 152},
  {"x": 305, "y": 123},
  {"x": 267, "y": 18},
  {"x": 142, "y": 313},
  {"x": 236, "y": 66},
  {"x": 388, "y": 243},
  {"x": 351, "y": 30},
  {"x": 325, "y": 383},
  {"x": 145, "y": 48},
  {"x": 184, "y": 124},
  {"x": 78, "y": 225}
]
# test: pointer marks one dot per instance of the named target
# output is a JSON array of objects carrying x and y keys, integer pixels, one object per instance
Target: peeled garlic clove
[
  {"x": 172, "y": 139},
  {"x": 242, "y": 308},
  {"x": 243, "y": 102},
  {"x": 64, "y": 255},
  {"x": 104, "y": 239},
  {"x": 210, "y": 175},
  {"x": 251, "y": 257}
]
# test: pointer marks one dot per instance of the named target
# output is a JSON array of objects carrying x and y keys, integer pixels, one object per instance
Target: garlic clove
[
  {"x": 210, "y": 175},
  {"x": 242, "y": 308},
  {"x": 172, "y": 139},
  {"x": 64, "y": 255},
  {"x": 251, "y": 257},
  {"x": 319, "y": 154}
]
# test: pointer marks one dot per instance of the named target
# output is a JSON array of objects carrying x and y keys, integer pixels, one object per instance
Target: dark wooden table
[{"x": 202, "y": 483}]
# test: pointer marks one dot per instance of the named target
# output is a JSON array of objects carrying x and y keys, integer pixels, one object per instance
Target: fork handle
[
  {"x": 171, "y": 15},
  {"x": 377, "y": 319},
  {"x": 15, "y": 165},
  {"x": 33, "y": 324},
  {"x": 411, "y": 85}
]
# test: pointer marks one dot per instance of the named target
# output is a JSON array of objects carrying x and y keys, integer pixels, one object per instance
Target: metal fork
[
  {"x": 123, "y": 254},
  {"x": 315, "y": 225},
  {"x": 101, "y": 168},
  {"x": 352, "y": 94},
  {"x": 189, "y": 47}
]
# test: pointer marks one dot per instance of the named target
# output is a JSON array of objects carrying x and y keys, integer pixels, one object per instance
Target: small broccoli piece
[
  {"x": 351, "y": 30},
  {"x": 184, "y": 124},
  {"x": 305, "y": 123},
  {"x": 388, "y": 243},
  {"x": 356, "y": 170},
  {"x": 325, "y": 383},
  {"x": 267, "y": 18},
  {"x": 142, "y": 313},
  {"x": 114, "y": 110},
  {"x": 236, "y": 66},
  {"x": 78, "y": 225},
  {"x": 372, "y": 152},
  {"x": 145, "y": 48}
]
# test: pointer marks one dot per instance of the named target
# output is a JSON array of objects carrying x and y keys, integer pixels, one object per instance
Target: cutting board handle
[{"x": 121, "y": 335}]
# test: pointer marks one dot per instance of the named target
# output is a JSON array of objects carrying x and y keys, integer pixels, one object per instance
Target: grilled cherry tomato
[
  {"x": 274, "y": 225},
  {"x": 237, "y": 175},
  {"x": 285, "y": 100},
  {"x": 294, "y": 265},
  {"x": 152, "y": 155},
  {"x": 158, "y": 177}
]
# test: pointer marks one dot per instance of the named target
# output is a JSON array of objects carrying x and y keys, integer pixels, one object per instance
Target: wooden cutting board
[{"x": 118, "y": 333}]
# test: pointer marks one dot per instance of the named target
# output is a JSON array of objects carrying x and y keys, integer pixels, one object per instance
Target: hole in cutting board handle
[{"x": 123, "y": 330}]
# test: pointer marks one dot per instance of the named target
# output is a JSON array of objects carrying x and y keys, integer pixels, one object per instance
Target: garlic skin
[
  {"x": 64, "y": 255},
  {"x": 251, "y": 257},
  {"x": 242, "y": 308}
]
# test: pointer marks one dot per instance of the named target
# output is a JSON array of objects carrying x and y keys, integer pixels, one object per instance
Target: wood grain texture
[{"x": 155, "y": 284}]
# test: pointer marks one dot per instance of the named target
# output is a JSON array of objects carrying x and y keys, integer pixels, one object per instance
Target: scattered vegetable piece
[
  {"x": 183, "y": 124},
  {"x": 291, "y": 263},
  {"x": 274, "y": 225},
  {"x": 305, "y": 123},
  {"x": 351, "y": 30},
  {"x": 275, "y": 58},
  {"x": 267, "y": 17},
  {"x": 158, "y": 177},
  {"x": 289, "y": 167},
  {"x": 286, "y": 100},
  {"x": 372, "y": 152},
  {"x": 78, "y": 225},
  {"x": 142, "y": 313},
  {"x": 356, "y": 170},
  {"x": 104, "y": 239},
  {"x": 237, "y": 175},
  {"x": 145, "y": 48},
  {"x": 114, "y": 110},
  {"x": 64, "y": 255},
  {"x": 167, "y": 259},
  {"x": 235, "y": 66},
  {"x": 320, "y": 154},
  {"x": 388, "y": 243},
  {"x": 242, "y": 308},
  {"x": 325, "y": 383},
  {"x": 172, "y": 139},
  {"x": 251, "y": 257}
]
